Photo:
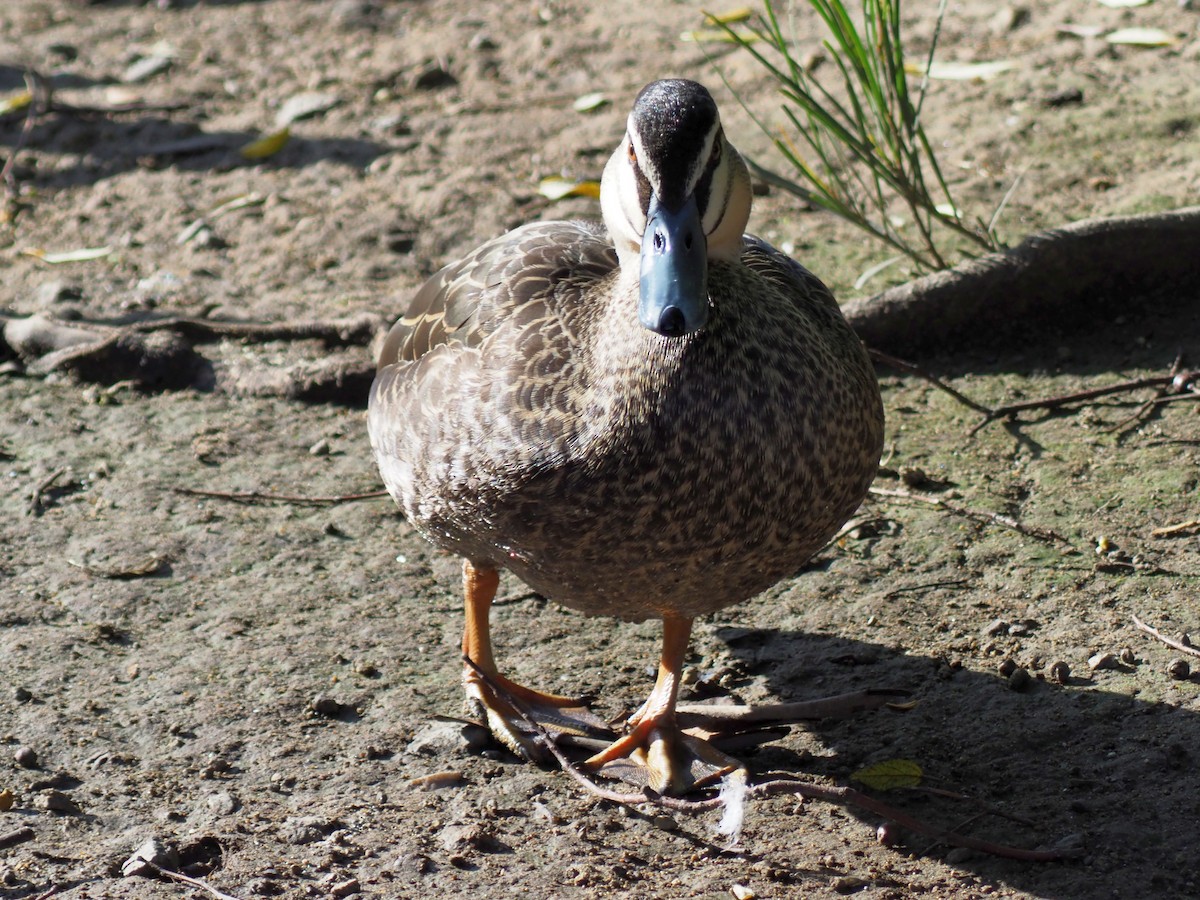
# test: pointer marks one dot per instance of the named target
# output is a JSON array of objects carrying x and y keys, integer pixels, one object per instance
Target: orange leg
[
  {"x": 674, "y": 761},
  {"x": 554, "y": 712}
]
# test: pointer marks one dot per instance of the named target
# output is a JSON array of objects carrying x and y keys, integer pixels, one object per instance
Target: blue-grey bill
[{"x": 674, "y": 270}]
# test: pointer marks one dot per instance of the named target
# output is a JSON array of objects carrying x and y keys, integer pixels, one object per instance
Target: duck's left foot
[
  {"x": 657, "y": 754},
  {"x": 506, "y": 708}
]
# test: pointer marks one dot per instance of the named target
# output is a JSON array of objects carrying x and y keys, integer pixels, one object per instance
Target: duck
[{"x": 657, "y": 416}]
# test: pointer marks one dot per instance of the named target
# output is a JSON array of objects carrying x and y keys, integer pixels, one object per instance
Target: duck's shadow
[{"x": 1071, "y": 759}]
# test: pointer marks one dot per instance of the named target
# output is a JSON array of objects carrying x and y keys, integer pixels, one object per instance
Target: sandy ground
[{"x": 257, "y": 684}]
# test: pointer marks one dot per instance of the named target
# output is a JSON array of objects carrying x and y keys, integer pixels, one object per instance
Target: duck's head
[{"x": 675, "y": 195}]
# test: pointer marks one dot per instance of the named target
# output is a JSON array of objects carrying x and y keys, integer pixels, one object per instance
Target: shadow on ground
[
  {"x": 1058, "y": 756},
  {"x": 109, "y": 144}
]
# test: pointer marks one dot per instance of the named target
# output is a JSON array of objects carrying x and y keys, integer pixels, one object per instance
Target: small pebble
[
  {"x": 346, "y": 888},
  {"x": 64, "y": 51},
  {"x": 432, "y": 77},
  {"x": 436, "y": 781},
  {"x": 6, "y": 800},
  {"x": 888, "y": 834},
  {"x": 1068, "y": 96},
  {"x": 663, "y": 822},
  {"x": 26, "y": 757},
  {"x": 306, "y": 829},
  {"x": 1060, "y": 672},
  {"x": 1020, "y": 680},
  {"x": 1104, "y": 661},
  {"x": 152, "y": 851},
  {"x": 742, "y": 892},
  {"x": 21, "y": 695},
  {"x": 55, "y": 801},
  {"x": 366, "y": 669},
  {"x": 460, "y": 838},
  {"x": 304, "y": 106},
  {"x": 399, "y": 241},
  {"x": 1006, "y": 668},
  {"x": 355, "y": 13},
  {"x": 998, "y": 627},
  {"x": 324, "y": 705},
  {"x": 320, "y": 448},
  {"x": 1179, "y": 669},
  {"x": 850, "y": 884},
  {"x": 1127, "y": 656},
  {"x": 145, "y": 69},
  {"x": 1008, "y": 18},
  {"x": 222, "y": 803},
  {"x": 439, "y": 738},
  {"x": 51, "y": 293}
]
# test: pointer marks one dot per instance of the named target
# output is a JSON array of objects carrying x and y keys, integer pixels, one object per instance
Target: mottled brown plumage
[{"x": 524, "y": 418}]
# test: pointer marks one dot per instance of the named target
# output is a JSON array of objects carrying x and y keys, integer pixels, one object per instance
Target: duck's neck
[{"x": 636, "y": 375}]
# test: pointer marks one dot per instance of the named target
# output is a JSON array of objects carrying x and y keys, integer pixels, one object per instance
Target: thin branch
[
  {"x": 1061, "y": 400},
  {"x": 1177, "y": 384},
  {"x": 187, "y": 879},
  {"x": 115, "y": 109},
  {"x": 901, "y": 365},
  {"x": 38, "y": 99},
  {"x": 925, "y": 586},
  {"x": 510, "y": 599},
  {"x": 16, "y": 836},
  {"x": 1179, "y": 528},
  {"x": 38, "y": 495},
  {"x": 1042, "y": 534},
  {"x": 1161, "y": 397},
  {"x": 1170, "y": 642},
  {"x": 252, "y": 497},
  {"x": 545, "y": 739}
]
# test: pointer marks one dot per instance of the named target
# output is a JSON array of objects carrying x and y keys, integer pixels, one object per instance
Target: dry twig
[
  {"x": 252, "y": 497},
  {"x": 1179, "y": 528},
  {"x": 1177, "y": 384},
  {"x": 39, "y": 99},
  {"x": 37, "y": 496},
  {"x": 187, "y": 879},
  {"x": 1170, "y": 642},
  {"x": 1042, "y": 534},
  {"x": 16, "y": 836},
  {"x": 900, "y": 365},
  {"x": 1061, "y": 400}
]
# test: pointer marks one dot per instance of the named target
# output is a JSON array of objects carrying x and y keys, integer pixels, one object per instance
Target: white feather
[{"x": 733, "y": 798}]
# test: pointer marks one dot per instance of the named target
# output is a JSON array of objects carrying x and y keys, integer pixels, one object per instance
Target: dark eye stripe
[
  {"x": 643, "y": 187},
  {"x": 704, "y": 185}
]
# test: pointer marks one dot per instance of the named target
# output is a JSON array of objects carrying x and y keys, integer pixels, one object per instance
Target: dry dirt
[{"x": 257, "y": 684}]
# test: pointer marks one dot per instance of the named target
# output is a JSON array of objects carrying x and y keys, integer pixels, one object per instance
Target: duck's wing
[
  {"x": 526, "y": 273},
  {"x": 793, "y": 280}
]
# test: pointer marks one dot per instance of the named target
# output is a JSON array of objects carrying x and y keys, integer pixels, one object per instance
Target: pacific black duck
[{"x": 656, "y": 418}]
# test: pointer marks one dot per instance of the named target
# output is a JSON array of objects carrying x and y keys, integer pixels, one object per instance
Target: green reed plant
[{"x": 857, "y": 143}]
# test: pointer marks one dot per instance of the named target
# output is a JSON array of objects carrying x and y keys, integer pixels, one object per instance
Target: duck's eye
[
  {"x": 632, "y": 154},
  {"x": 715, "y": 156}
]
